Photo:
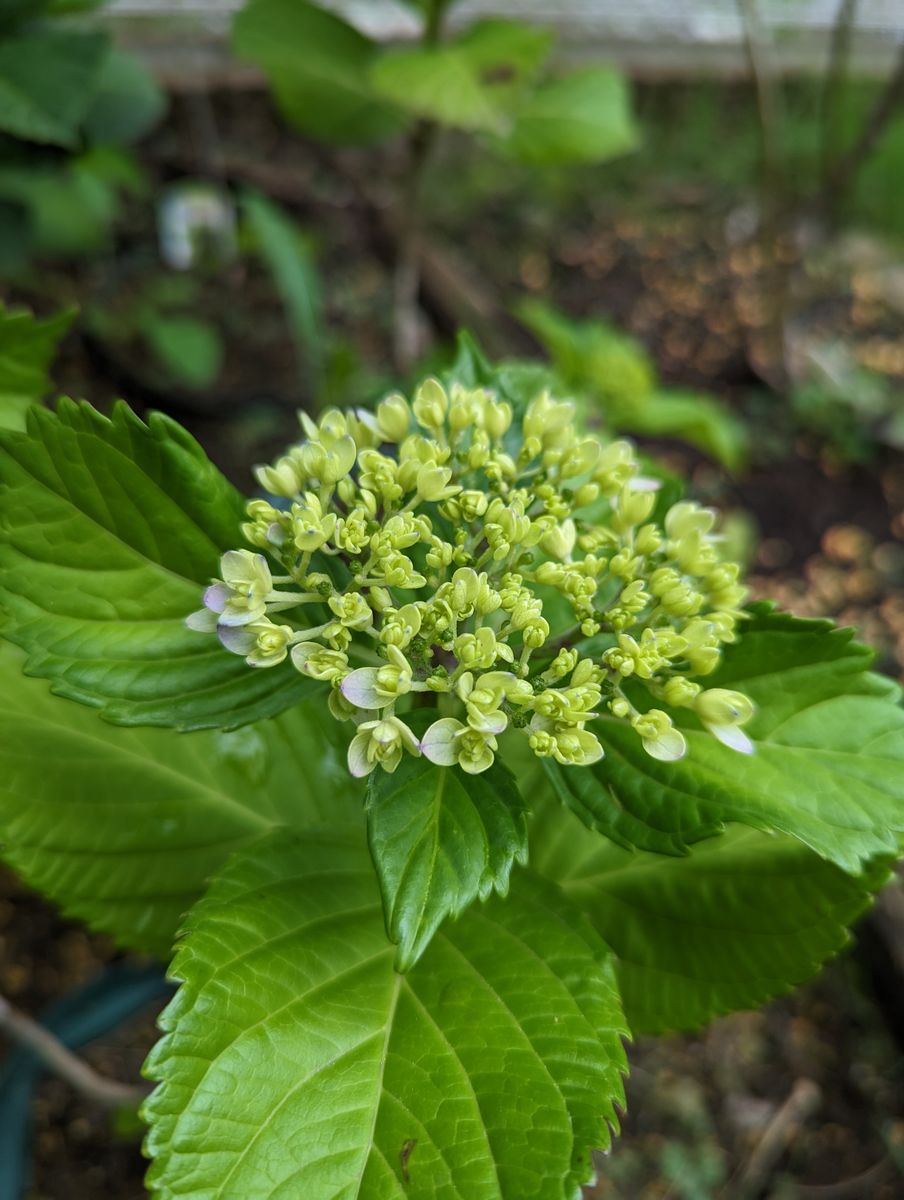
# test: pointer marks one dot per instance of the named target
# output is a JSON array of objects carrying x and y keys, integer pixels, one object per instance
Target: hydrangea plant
[{"x": 470, "y": 762}]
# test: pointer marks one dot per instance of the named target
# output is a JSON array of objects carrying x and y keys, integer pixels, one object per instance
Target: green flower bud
[
  {"x": 431, "y": 404},
  {"x": 394, "y": 418}
]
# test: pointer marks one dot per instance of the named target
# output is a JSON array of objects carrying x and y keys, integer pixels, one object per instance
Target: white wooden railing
[{"x": 648, "y": 36}]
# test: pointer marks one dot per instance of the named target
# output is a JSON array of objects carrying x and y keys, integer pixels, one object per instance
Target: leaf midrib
[{"x": 151, "y": 765}]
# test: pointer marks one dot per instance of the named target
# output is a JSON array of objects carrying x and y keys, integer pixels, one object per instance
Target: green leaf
[
  {"x": 470, "y": 83},
  {"x": 123, "y": 827},
  {"x": 744, "y": 917},
  {"x": 828, "y": 768},
  {"x": 613, "y": 368},
  {"x": 288, "y": 257},
  {"x": 47, "y": 80},
  {"x": 695, "y": 418},
  {"x": 583, "y": 117},
  {"x": 127, "y": 103},
  {"x": 490, "y": 1070},
  {"x": 27, "y": 347},
  {"x": 318, "y": 66},
  {"x": 109, "y": 530},
  {"x": 439, "y": 839},
  {"x": 189, "y": 350}
]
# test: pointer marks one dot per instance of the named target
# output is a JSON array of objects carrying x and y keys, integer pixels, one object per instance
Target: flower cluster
[{"x": 508, "y": 575}]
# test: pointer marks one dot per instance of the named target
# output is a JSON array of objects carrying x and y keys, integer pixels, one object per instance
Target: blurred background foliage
[{"x": 232, "y": 210}]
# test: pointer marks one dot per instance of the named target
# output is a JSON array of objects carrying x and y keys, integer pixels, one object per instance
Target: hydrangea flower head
[{"x": 446, "y": 566}]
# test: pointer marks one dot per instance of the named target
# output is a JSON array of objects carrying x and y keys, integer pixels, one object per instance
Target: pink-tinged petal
[
  {"x": 358, "y": 762},
  {"x": 438, "y": 743},
  {"x": 217, "y": 597},
  {"x": 360, "y": 688},
  {"x": 202, "y": 621},
  {"x": 668, "y": 747},
  {"x": 234, "y": 617},
  {"x": 644, "y": 484},
  {"x": 236, "y": 641},
  {"x": 734, "y": 737}
]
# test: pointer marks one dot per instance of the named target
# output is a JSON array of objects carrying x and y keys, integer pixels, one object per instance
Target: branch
[
  {"x": 883, "y": 111},
  {"x": 768, "y": 95},
  {"x": 62, "y": 1062},
  {"x": 836, "y": 76},
  {"x": 780, "y": 1131}
]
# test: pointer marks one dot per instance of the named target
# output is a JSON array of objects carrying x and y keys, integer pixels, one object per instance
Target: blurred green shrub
[
  {"x": 70, "y": 103},
  {"x": 615, "y": 379},
  {"x": 493, "y": 79}
]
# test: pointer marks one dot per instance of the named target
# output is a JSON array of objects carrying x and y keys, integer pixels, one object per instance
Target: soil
[{"x": 828, "y": 539}]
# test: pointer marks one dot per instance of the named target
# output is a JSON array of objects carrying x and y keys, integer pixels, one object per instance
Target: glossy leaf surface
[{"x": 439, "y": 840}]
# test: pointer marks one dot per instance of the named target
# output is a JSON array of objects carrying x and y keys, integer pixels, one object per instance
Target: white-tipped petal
[
  {"x": 668, "y": 747},
  {"x": 438, "y": 743},
  {"x": 241, "y": 618},
  {"x": 358, "y": 762},
  {"x": 734, "y": 737},
  {"x": 643, "y": 483},
  {"x": 360, "y": 688},
  {"x": 301, "y": 653},
  {"x": 202, "y": 621},
  {"x": 236, "y": 640}
]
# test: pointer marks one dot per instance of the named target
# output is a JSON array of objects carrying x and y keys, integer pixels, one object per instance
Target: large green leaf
[
  {"x": 584, "y": 116},
  {"x": 439, "y": 840},
  {"x": 470, "y": 83},
  {"x": 318, "y": 66},
  {"x": 47, "y": 80},
  {"x": 109, "y": 530},
  {"x": 744, "y": 917},
  {"x": 27, "y": 347},
  {"x": 828, "y": 767},
  {"x": 296, "y": 1061},
  {"x": 123, "y": 827}
]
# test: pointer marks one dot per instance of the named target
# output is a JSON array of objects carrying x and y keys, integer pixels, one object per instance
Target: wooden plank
[{"x": 186, "y": 41}]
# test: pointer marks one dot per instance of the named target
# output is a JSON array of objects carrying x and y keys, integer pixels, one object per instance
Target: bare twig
[
  {"x": 833, "y": 86},
  {"x": 886, "y": 107},
  {"x": 774, "y": 186},
  {"x": 407, "y": 275},
  {"x": 61, "y": 1061},
  {"x": 802, "y": 1102},
  {"x": 768, "y": 96}
]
